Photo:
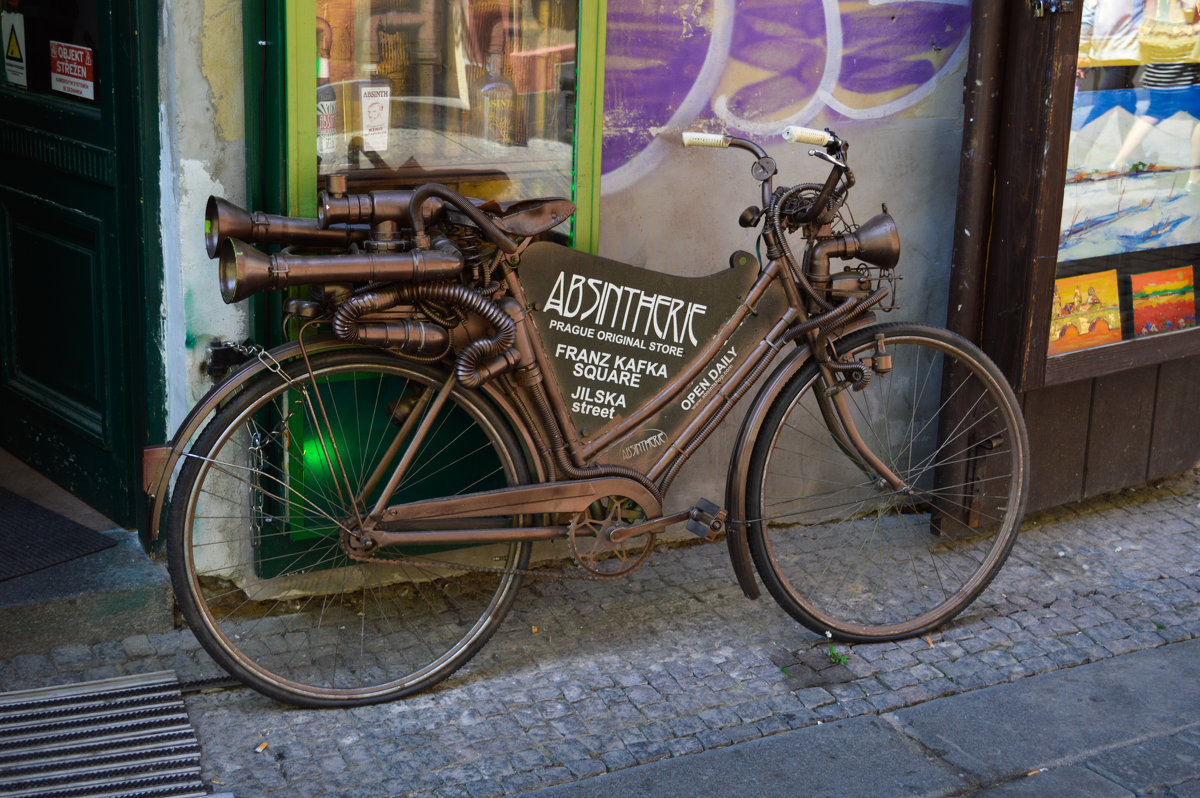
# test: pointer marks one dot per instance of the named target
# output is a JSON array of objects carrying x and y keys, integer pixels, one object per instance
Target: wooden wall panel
[
  {"x": 1175, "y": 439},
  {"x": 1119, "y": 433},
  {"x": 1039, "y": 79},
  {"x": 1057, "y": 419}
]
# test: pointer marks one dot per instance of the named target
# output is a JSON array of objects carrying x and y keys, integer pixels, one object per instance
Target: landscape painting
[
  {"x": 1132, "y": 169},
  {"x": 1086, "y": 312},
  {"x": 1163, "y": 301}
]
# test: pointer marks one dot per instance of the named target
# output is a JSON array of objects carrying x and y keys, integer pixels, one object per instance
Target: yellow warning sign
[
  {"x": 12, "y": 35},
  {"x": 13, "y": 51}
]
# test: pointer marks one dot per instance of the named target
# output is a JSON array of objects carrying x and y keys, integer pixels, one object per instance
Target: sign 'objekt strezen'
[{"x": 72, "y": 71}]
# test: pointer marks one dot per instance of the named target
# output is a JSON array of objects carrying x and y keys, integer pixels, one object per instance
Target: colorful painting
[
  {"x": 1086, "y": 312},
  {"x": 1130, "y": 166},
  {"x": 1163, "y": 301}
]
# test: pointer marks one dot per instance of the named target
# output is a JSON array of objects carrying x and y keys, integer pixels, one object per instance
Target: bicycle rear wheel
[
  {"x": 839, "y": 548},
  {"x": 255, "y": 533}
]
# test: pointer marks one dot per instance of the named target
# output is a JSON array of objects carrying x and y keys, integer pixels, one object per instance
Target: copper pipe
[
  {"x": 478, "y": 361},
  {"x": 245, "y": 271},
  {"x": 371, "y": 208},
  {"x": 431, "y": 192},
  {"x": 406, "y": 335},
  {"x": 223, "y": 219}
]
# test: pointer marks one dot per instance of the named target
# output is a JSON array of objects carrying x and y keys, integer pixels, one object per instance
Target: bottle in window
[
  {"x": 495, "y": 109},
  {"x": 326, "y": 97}
]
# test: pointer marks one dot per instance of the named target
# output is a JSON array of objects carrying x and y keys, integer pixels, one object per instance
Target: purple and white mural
[{"x": 755, "y": 66}]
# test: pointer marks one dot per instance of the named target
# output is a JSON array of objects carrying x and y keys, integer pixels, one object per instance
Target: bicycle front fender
[{"x": 739, "y": 467}]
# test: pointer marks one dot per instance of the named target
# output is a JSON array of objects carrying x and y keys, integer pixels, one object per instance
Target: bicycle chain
[{"x": 264, "y": 356}]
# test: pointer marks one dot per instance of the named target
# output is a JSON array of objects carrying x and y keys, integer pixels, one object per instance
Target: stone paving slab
[
  {"x": 1127, "y": 715},
  {"x": 861, "y": 756},
  {"x": 674, "y": 661},
  {"x": 1074, "y": 780},
  {"x": 1121, "y": 726},
  {"x": 86, "y": 600}
]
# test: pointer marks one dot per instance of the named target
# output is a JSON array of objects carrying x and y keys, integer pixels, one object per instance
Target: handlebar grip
[
  {"x": 806, "y": 135},
  {"x": 692, "y": 139}
]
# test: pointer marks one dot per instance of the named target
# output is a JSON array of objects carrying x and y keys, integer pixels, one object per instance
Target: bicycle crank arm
[
  {"x": 705, "y": 520},
  {"x": 548, "y": 497},
  {"x": 650, "y": 525}
]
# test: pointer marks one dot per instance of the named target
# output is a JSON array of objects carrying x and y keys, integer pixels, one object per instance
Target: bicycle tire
[
  {"x": 838, "y": 548},
  {"x": 253, "y": 534}
]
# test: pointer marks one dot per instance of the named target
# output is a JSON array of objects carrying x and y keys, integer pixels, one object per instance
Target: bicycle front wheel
[
  {"x": 840, "y": 548},
  {"x": 258, "y": 522}
]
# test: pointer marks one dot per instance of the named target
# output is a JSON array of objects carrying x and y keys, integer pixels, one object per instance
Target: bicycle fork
[{"x": 836, "y": 412}]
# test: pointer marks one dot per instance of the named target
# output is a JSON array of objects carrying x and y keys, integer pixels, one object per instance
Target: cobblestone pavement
[{"x": 586, "y": 678}]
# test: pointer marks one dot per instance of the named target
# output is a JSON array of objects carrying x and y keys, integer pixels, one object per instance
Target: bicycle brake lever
[{"x": 824, "y": 156}]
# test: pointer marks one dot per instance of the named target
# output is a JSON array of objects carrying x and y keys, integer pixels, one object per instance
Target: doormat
[
  {"x": 33, "y": 538},
  {"x": 126, "y": 736}
]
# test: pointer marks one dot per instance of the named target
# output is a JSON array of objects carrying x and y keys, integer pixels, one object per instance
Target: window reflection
[
  {"x": 475, "y": 93},
  {"x": 1129, "y": 231}
]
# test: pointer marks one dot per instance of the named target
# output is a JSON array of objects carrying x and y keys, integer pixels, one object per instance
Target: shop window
[
  {"x": 478, "y": 94},
  {"x": 1128, "y": 251}
]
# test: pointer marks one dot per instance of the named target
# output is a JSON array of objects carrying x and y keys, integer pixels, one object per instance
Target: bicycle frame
[
  {"x": 773, "y": 319},
  {"x": 353, "y": 513},
  {"x": 688, "y": 432}
]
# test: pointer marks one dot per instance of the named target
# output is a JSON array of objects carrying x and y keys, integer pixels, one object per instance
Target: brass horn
[
  {"x": 877, "y": 241},
  {"x": 223, "y": 219},
  {"x": 245, "y": 270}
]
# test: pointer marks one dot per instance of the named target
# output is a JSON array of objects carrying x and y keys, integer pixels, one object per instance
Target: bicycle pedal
[{"x": 706, "y": 519}]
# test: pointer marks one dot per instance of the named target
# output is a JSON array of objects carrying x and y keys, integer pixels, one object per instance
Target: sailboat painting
[
  {"x": 1163, "y": 301},
  {"x": 1130, "y": 182}
]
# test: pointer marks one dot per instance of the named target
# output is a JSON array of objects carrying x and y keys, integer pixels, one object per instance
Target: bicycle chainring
[{"x": 589, "y": 538}]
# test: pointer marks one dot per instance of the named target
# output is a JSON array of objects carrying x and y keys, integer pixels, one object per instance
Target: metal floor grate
[{"x": 116, "y": 737}]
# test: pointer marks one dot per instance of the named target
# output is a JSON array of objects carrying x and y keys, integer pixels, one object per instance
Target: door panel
[
  {"x": 70, "y": 269},
  {"x": 63, "y": 382},
  {"x": 56, "y": 364}
]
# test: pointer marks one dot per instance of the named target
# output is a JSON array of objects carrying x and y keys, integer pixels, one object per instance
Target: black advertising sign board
[{"x": 616, "y": 336}]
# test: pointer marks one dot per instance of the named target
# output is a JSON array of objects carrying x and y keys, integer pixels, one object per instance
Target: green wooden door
[{"x": 72, "y": 214}]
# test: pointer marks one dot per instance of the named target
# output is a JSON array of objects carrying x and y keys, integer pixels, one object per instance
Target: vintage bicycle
[{"x": 353, "y": 512}]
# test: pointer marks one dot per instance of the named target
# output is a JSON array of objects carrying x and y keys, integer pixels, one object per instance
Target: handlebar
[
  {"x": 693, "y": 139},
  {"x": 794, "y": 134},
  {"x": 764, "y": 169},
  {"x": 807, "y": 135}
]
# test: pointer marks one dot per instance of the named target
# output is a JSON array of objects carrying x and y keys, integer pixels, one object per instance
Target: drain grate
[{"x": 116, "y": 737}]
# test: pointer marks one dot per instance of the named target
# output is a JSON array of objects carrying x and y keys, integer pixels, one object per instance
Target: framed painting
[
  {"x": 1085, "y": 312},
  {"x": 1163, "y": 301}
]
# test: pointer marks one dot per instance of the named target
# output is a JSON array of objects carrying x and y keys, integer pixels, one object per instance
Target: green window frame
[{"x": 281, "y": 59}]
